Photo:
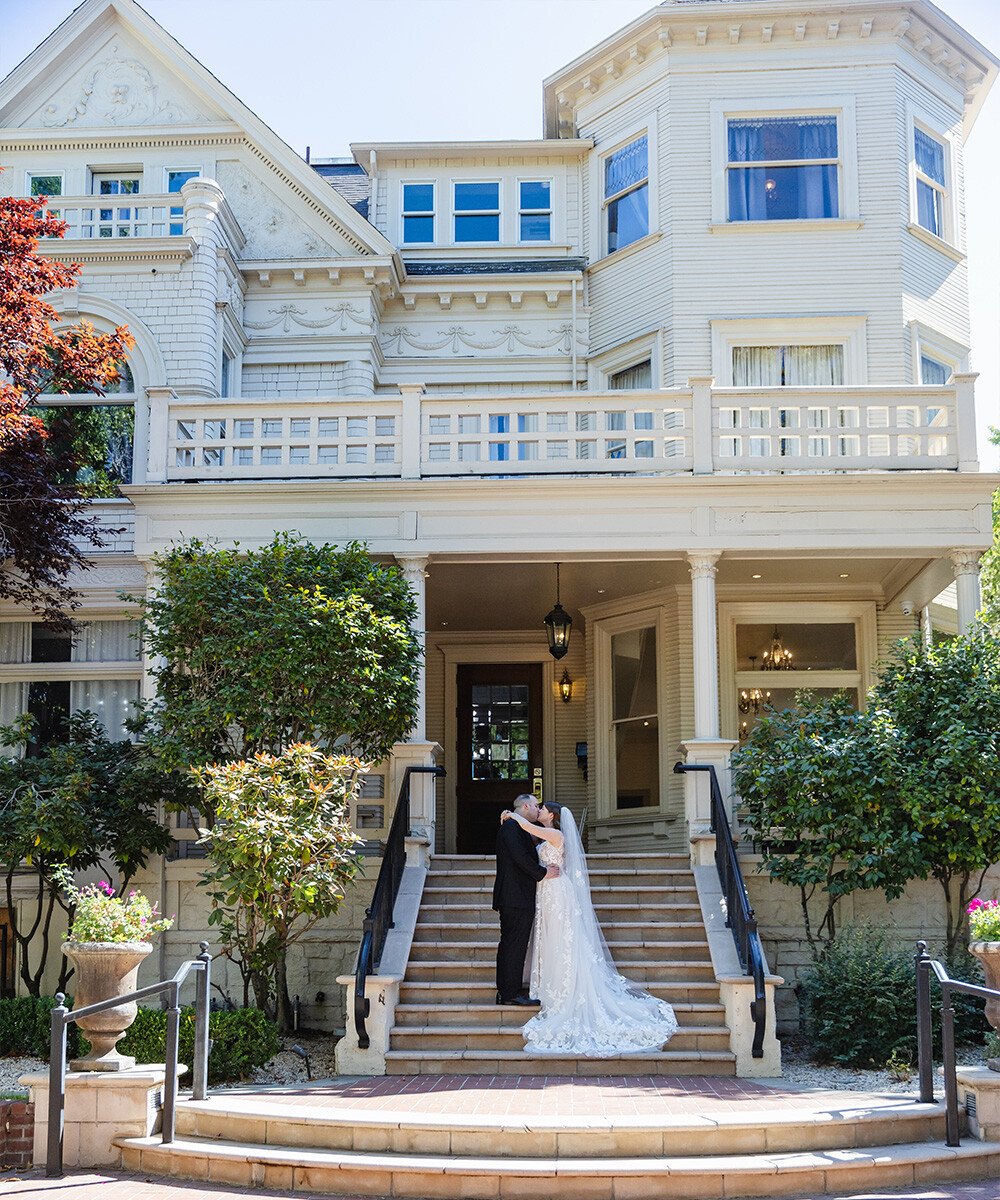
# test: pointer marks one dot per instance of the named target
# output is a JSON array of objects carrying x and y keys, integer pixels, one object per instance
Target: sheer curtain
[
  {"x": 788, "y": 366},
  {"x": 747, "y": 200},
  {"x": 818, "y": 196},
  {"x": 15, "y": 647},
  {"x": 112, "y": 700}
]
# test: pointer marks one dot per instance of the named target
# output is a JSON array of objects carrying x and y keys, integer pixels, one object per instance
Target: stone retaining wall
[{"x": 17, "y": 1126}]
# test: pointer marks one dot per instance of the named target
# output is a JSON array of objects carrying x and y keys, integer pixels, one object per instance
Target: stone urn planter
[
  {"x": 988, "y": 954},
  {"x": 105, "y": 970}
]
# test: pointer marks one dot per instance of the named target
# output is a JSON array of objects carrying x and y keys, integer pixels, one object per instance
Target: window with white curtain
[
  {"x": 51, "y": 675},
  {"x": 639, "y": 375},
  {"x": 783, "y": 168},
  {"x": 788, "y": 366}
]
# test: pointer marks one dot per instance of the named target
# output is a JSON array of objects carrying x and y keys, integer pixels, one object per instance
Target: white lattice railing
[
  {"x": 809, "y": 429},
  {"x": 120, "y": 216},
  {"x": 699, "y": 430}
]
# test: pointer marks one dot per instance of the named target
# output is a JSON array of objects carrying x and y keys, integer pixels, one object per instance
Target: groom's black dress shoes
[{"x": 519, "y": 1001}]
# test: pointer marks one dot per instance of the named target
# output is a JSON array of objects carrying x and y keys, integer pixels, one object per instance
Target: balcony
[
  {"x": 697, "y": 430},
  {"x": 139, "y": 216}
]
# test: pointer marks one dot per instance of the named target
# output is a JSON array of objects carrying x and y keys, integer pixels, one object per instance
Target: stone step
[
  {"x": 482, "y": 991},
  {"x": 646, "y": 861},
  {"x": 658, "y": 899},
  {"x": 482, "y": 1040},
  {"x": 609, "y": 916},
  {"x": 448, "y": 1015},
  {"x": 636, "y": 970},
  {"x": 517, "y": 1062},
  {"x": 412, "y": 1175},
  {"x": 668, "y": 953},
  {"x": 483, "y": 881},
  {"x": 257, "y": 1120}
]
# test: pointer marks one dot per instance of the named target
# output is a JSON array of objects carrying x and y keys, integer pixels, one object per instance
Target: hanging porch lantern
[{"x": 558, "y": 624}]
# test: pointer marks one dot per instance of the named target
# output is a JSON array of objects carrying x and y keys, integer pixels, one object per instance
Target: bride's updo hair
[{"x": 556, "y": 811}]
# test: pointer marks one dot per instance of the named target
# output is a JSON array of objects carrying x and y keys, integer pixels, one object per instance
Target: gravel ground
[
  {"x": 12, "y": 1068},
  {"x": 799, "y": 1070}
]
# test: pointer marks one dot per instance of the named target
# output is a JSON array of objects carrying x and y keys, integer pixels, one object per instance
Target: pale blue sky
[{"x": 324, "y": 73}]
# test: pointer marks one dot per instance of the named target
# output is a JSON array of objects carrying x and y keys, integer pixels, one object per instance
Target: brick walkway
[{"x": 135, "y": 1187}]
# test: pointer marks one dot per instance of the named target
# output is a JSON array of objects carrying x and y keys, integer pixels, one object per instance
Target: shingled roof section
[{"x": 348, "y": 178}]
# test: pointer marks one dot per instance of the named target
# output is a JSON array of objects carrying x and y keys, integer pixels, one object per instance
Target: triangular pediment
[
  {"x": 120, "y": 84},
  {"x": 109, "y": 66}
]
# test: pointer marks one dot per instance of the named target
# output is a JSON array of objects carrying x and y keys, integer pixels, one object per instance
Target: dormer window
[
  {"x": 477, "y": 212},
  {"x": 783, "y": 168},
  {"x": 626, "y": 194},
  {"x": 418, "y": 214}
]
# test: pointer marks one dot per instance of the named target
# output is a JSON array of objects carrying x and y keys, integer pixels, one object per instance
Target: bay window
[
  {"x": 783, "y": 168},
  {"x": 626, "y": 194}
]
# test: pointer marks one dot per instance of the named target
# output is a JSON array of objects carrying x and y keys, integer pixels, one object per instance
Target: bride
[{"x": 587, "y": 1008}]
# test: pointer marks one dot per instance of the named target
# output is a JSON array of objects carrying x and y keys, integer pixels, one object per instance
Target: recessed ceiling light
[
  {"x": 444, "y": 622},
  {"x": 601, "y": 591},
  {"x": 845, "y": 576},
  {"x": 756, "y": 576}
]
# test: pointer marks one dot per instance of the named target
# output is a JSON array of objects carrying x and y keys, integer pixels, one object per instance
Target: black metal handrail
[
  {"x": 62, "y": 1016},
  {"x": 925, "y": 1034},
  {"x": 378, "y": 918},
  {"x": 740, "y": 917}
]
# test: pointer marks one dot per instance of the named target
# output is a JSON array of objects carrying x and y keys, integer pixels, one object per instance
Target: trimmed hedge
[
  {"x": 241, "y": 1040},
  {"x": 859, "y": 1002},
  {"x": 26, "y": 1024}
]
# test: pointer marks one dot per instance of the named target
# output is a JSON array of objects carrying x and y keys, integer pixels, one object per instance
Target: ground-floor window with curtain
[{"x": 51, "y": 675}]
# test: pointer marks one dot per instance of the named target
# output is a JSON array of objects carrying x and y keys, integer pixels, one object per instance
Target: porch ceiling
[{"x": 480, "y": 596}]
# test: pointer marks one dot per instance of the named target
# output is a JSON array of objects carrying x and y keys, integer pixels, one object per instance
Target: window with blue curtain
[
  {"x": 928, "y": 154},
  {"x": 783, "y": 168},
  {"x": 626, "y": 194},
  {"x": 933, "y": 371}
]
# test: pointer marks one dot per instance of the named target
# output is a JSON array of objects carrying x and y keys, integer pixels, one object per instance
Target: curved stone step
[
  {"x": 517, "y": 1062},
  {"x": 833, "y": 1123},
  {"x": 484, "y": 1039}
]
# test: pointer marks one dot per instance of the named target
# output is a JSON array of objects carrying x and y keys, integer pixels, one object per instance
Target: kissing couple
[{"x": 543, "y": 889}]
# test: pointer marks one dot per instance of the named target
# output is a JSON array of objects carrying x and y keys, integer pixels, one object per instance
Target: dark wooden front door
[{"x": 499, "y": 746}]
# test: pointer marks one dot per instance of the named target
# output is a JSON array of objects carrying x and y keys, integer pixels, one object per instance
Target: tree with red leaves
[{"x": 42, "y": 521}]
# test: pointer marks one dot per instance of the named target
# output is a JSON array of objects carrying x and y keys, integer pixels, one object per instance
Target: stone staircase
[{"x": 447, "y": 1021}]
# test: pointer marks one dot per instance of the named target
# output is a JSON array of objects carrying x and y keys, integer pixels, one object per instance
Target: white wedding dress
[{"x": 587, "y": 1008}]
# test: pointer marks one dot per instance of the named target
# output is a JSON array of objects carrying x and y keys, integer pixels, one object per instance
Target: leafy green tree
[
  {"x": 262, "y": 649},
  {"x": 941, "y": 730},
  {"x": 816, "y": 790},
  {"x": 283, "y": 852},
  {"x": 84, "y": 802}
]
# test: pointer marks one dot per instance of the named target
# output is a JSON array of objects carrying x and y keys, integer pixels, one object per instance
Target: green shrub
[
  {"x": 26, "y": 1024},
  {"x": 241, "y": 1040},
  {"x": 859, "y": 1002}
]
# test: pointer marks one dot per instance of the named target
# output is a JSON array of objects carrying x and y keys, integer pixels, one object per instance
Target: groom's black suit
[{"x": 518, "y": 874}]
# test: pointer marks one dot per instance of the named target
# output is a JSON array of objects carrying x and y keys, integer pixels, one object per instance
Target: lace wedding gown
[{"x": 587, "y": 1008}]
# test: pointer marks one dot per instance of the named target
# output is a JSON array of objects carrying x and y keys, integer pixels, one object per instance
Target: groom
[{"x": 518, "y": 874}]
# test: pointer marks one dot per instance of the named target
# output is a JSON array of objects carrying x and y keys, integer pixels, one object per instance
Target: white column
[
  {"x": 414, "y": 571},
  {"x": 705, "y": 642},
  {"x": 965, "y": 564}
]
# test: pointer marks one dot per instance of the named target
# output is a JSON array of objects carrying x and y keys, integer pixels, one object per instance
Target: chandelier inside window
[{"x": 776, "y": 657}]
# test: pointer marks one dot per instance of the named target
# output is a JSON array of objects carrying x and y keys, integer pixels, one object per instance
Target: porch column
[
  {"x": 416, "y": 750},
  {"x": 707, "y": 746},
  {"x": 705, "y": 644},
  {"x": 965, "y": 564}
]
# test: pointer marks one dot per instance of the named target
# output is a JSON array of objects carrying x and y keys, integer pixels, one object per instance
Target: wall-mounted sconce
[
  {"x": 566, "y": 687},
  {"x": 581, "y": 757}
]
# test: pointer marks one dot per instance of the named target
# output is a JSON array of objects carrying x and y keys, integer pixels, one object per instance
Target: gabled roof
[{"x": 201, "y": 103}]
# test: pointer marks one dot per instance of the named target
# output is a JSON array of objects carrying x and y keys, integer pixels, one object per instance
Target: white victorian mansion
[{"x": 704, "y": 344}]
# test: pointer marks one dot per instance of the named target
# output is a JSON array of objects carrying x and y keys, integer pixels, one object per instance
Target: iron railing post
[
  {"x": 170, "y": 1083},
  {"x": 57, "y": 1090},
  {"x": 948, "y": 1055},
  {"x": 925, "y": 1033},
  {"x": 202, "y": 1013}
]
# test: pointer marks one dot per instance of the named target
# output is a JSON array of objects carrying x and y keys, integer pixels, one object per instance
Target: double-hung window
[
  {"x": 788, "y": 366},
  {"x": 477, "y": 212},
  {"x": 115, "y": 218},
  {"x": 783, "y": 168},
  {"x": 535, "y": 210},
  {"x": 929, "y": 159},
  {"x": 176, "y": 179},
  {"x": 626, "y": 194},
  {"x": 418, "y": 214}
]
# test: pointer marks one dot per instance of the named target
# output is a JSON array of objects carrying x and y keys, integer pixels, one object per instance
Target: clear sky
[{"x": 323, "y": 73}]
